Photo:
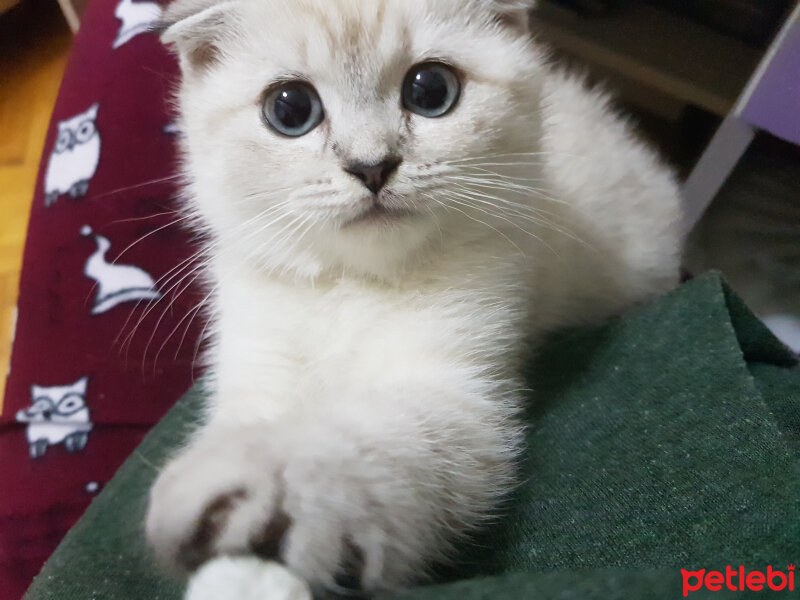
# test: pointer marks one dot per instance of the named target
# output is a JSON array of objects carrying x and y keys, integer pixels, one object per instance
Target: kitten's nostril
[{"x": 374, "y": 176}]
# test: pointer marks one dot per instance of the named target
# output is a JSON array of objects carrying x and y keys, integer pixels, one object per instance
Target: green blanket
[{"x": 665, "y": 440}]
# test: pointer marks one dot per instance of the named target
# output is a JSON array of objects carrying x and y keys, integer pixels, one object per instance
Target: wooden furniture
[
  {"x": 34, "y": 46},
  {"x": 7, "y": 4},
  {"x": 663, "y": 63},
  {"x": 770, "y": 101},
  {"x": 73, "y": 11},
  {"x": 651, "y": 54}
]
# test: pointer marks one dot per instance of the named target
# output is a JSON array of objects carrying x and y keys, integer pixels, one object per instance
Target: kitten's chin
[{"x": 380, "y": 215}]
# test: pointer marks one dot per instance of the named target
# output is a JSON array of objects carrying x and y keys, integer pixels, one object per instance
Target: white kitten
[
  {"x": 245, "y": 578},
  {"x": 399, "y": 194}
]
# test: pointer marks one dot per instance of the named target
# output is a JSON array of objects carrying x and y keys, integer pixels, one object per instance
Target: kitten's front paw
[
  {"x": 335, "y": 511},
  {"x": 245, "y": 578}
]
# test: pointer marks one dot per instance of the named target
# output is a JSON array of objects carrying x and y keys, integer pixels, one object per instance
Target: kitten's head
[{"x": 351, "y": 134}]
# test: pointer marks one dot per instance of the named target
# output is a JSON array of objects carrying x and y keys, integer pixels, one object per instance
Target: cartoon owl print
[
  {"x": 74, "y": 159},
  {"x": 57, "y": 415},
  {"x": 136, "y": 17}
]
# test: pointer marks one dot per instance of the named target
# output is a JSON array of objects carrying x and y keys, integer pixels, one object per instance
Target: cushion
[
  {"x": 664, "y": 440},
  {"x": 106, "y": 333}
]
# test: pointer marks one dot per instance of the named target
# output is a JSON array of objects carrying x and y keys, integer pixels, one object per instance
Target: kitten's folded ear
[
  {"x": 193, "y": 28},
  {"x": 513, "y": 13}
]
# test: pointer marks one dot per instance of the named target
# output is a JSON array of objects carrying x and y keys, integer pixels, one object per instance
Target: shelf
[{"x": 683, "y": 60}]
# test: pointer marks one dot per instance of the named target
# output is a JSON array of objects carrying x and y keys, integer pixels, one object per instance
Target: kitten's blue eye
[
  {"x": 431, "y": 89},
  {"x": 292, "y": 109}
]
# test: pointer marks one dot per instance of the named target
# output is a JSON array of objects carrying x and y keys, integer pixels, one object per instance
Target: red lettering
[
  {"x": 790, "y": 568},
  {"x": 741, "y": 578},
  {"x": 730, "y": 574},
  {"x": 755, "y": 581},
  {"x": 771, "y": 575},
  {"x": 688, "y": 587},
  {"x": 714, "y": 581}
]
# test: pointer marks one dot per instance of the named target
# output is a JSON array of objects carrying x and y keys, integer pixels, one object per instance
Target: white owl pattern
[
  {"x": 136, "y": 17},
  {"x": 57, "y": 414},
  {"x": 75, "y": 157}
]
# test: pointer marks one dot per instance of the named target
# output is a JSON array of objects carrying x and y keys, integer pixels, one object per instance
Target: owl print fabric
[
  {"x": 74, "y": 159},
  {"x": 57, "y": 414},
  {"x": 108, "y": 324}
]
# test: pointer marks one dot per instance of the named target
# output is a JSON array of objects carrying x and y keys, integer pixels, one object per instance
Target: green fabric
[{"x": 663, "y": 440}]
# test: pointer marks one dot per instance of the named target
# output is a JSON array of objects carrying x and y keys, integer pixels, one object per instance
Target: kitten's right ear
[
  {"x": 513, "y": 13},
  {"x": 193, "y": 28}
]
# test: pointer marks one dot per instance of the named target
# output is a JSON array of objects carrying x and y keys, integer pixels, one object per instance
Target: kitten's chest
[
  {"x": 318, "y": 324},
  {"x": 342, "y": 335}
]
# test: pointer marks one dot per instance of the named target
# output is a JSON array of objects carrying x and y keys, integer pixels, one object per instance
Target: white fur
[
  {"x": 366, "y": 376},
  {"x": 246, "y": 578}
]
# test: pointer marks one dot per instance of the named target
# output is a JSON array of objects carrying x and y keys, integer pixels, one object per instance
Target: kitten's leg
[{"x": 369, "y": 494}]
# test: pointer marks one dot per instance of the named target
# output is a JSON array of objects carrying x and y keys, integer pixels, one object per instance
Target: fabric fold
[{"x": 663, "y": 440}]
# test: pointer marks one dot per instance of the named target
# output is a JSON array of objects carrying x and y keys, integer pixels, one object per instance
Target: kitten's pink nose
[{"x": 374, "y": 176}]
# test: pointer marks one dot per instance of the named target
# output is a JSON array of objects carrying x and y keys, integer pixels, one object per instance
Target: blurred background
[
  {"x": 34, "y": 43},
  {"x": 715, "y": 84}
]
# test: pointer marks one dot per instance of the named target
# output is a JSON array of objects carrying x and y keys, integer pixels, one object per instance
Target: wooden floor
[{"x": 34, "y": 42}]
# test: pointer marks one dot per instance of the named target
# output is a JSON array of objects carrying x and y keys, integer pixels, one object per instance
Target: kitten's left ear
[
  {"x": 194, "y": 27},
  {"x": 513, "y": 13}
]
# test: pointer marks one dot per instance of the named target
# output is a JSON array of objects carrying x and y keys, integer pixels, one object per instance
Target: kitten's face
[{"x": 338, "y": 133}]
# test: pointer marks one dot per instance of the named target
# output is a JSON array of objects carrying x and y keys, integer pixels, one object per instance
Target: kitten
[{"x": 399, "y": 195}]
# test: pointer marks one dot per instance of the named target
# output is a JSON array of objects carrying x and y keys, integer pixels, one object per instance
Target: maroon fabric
[{"x": 78, "y": 399}]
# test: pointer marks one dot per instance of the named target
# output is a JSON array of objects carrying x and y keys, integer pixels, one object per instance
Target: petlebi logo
[{"x": 737, "y": 580}]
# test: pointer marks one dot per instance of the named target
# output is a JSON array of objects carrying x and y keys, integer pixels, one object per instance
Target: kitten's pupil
[
  {"x": 429, "y": 90},
  {"x": 293, "y": 108}
]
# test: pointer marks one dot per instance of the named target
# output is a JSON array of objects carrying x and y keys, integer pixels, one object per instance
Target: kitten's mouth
[{"x": 379, "y": 214}]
